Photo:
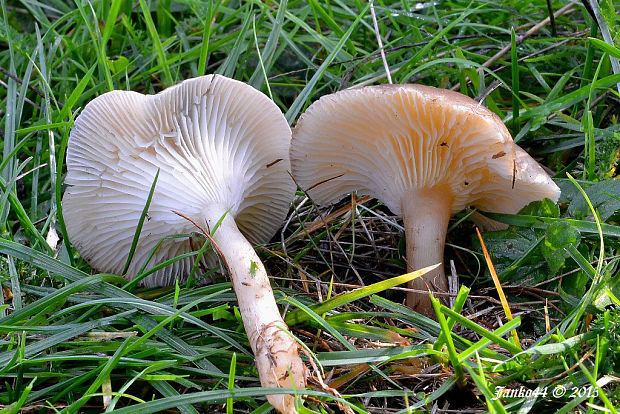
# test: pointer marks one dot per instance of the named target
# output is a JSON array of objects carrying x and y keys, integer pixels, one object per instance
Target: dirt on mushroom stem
[{"x": 276, "y": 351}]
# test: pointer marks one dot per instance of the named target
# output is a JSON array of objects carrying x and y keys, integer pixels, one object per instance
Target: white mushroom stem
[
  {"x": 426, "y": 214},
  {"x": 276, "y": 352}
]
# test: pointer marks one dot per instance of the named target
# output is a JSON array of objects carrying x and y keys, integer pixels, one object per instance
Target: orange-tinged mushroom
[{"x": 427, "y": 153}]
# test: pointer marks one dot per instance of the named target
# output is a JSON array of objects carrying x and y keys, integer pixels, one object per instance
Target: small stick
[
  {"x": 21, "y": 81},
  {"x": 564, "y": 10},
  {"x": 329, "y": 233},
  {"x": 319, "y": 378},
  {"x": 374, "y": 22},
  {"x": 453, "y": 284},
  {"x": 320, "y": 223},
  {"x": 554, "y": 31},
  {"x": 547, "y": 322},
  {"x": 534, "y": 29}
]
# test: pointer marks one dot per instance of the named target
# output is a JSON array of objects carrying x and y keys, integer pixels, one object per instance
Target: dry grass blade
[
  {"x": 208, "y": 236},
  {"x": 321, "y": 222},
  {"x": 380, "y": 42},
  {"x": 498, "y": 287}
]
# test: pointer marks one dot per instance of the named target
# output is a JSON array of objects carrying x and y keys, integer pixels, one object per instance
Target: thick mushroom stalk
[
  {"x": 276, "y": 352},
  {"x": 426, "y": 214}
]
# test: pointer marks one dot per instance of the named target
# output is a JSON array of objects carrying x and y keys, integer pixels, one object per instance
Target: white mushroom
[
  {"x": 222, "y": 151},
  {"x": 427, "y": 153}
]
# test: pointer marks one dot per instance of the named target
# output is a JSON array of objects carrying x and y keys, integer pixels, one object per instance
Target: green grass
[{"x": 67, "y": 337}]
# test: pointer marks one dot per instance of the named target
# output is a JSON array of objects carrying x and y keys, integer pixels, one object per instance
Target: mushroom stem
[
  {"x": 426, "y": 214},
  {"x": 275, "y": 350}
]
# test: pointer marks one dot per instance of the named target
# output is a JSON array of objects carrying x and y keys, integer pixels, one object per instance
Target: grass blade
[
  {"x": 266, "y": 58},
  {"x": 161, "y": 55},
  {"x": 304, "y": 95},
  {"x": 145, "y": 210},
  {"x": 509, "y": 346},
  {"x": 452, "y": 354},
  {"x": 231, "y": 383},
  {"x": 537, "y": 222},
  {"x": 228, "y": 67},
  {"x": 206, "y": 36},
  {"x": 299, "y": 316}
]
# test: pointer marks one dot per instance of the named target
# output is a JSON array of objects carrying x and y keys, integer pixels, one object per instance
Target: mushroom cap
[
  {"x": 390, "y": 140},
  {"x": 216, "y": 141}
]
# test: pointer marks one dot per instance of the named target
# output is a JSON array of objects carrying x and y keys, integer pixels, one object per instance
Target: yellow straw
[{"x": 498, "y": 287}]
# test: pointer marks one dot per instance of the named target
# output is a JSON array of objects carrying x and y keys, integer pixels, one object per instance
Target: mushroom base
[
  {"x": 279, "y": 357},
  {"x": 426, "y": 214}
]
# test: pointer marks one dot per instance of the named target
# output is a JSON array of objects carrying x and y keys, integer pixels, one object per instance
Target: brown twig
[
  {"x": 207, "y": 235},
  {"x": 569, "y": 8},
  {"x": 554, "y": 31},
  {"x": 320, "y": 223},
  {"x": 329, "y": 233},
  {"x": 570, "y": 38},
  {"x": 567, "y": 371},
  {"x": 318, "y": 377},
  {"x": 21, "y": 81},
  {"x": 544, "y": 282}
]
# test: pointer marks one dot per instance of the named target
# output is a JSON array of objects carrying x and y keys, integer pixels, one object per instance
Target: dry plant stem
[
  {"x": 380, "y": 42},
  {"x": 275, "y": 350},
  {"x": 426, "y": 214}
]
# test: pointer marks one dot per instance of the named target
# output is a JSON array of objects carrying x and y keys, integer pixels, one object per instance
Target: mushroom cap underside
[
  {"x": 390, "y": 140},
  {"x": 215, "y": 141}
]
